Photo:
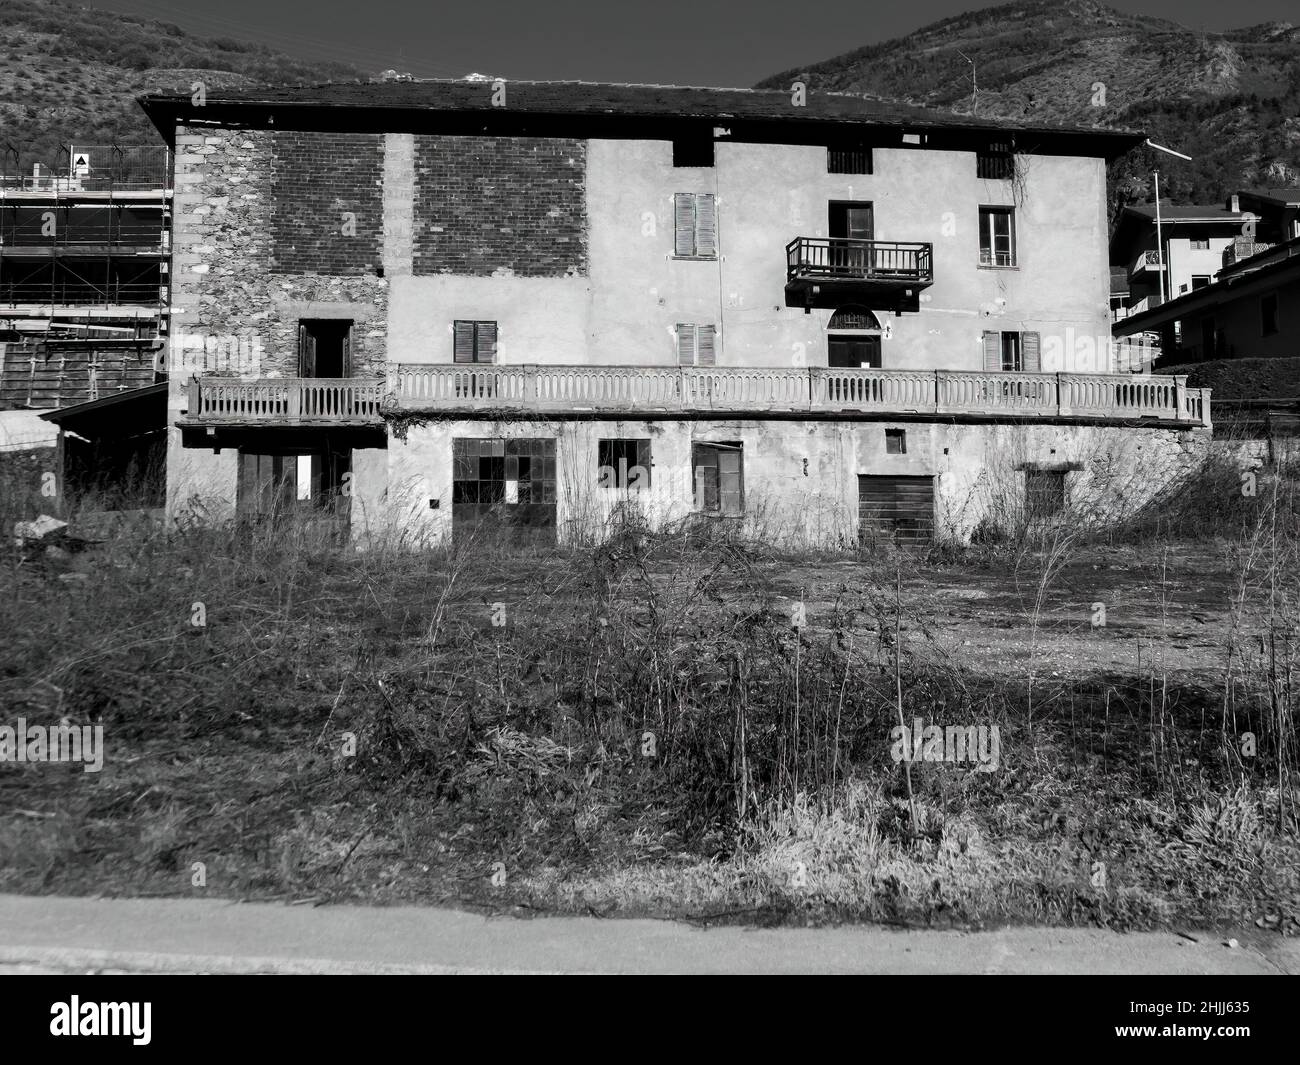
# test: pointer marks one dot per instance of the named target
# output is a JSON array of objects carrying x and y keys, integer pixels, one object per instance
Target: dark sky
[{"x": 726, "y": 42}]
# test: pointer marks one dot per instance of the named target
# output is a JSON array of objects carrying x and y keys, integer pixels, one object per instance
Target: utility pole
[
  {"x": 1160, "y": 246},
  {"x": 974, "y": 88}
]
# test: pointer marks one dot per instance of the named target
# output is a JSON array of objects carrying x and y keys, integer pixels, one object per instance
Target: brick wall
[
  {"x": 491, "y": 205},
  {"x": 327, "y": 195}
]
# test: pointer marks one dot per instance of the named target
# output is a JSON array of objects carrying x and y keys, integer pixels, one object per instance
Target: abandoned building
[{"x": 417, "y": 308}]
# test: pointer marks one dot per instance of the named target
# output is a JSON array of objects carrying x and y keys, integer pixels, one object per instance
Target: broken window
[
  {"x": 511, "y": 482},
  {"x": 997, "y": 236},
  {"x": 474, "y": 341},
  {"x": 695, "y": 225},
  {"x": 623, "y": 463},
  {"x": 718, "y": 474},
  {"x": 895, "y": 441}
]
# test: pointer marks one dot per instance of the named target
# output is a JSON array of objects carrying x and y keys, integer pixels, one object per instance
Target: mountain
[
  {"x": 1230, "y": 100},
  {"x": 70, "y": 74}
]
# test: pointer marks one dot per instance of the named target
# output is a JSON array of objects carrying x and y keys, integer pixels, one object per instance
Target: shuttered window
[
  {"x": 895, "y": 509},
  {"x": 1013, "y": 352},
  {"x": 697, "y": 345},
  {"x": 695, "y": 225},
  {"x": 853, "y": 159},
  {"x": 474, "y": 341}
]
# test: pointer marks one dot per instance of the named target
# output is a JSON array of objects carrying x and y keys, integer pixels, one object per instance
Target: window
[
  {"x": 849, "y": 160},
  {"x": 474, "y": 341},
  {"x": 996, "y": 162},
  {"x": 718, "y": 478},
  {"x": 997, "y": 236},
  {"x": 324, "y": 347},
  {"x": 510, "y": 481},
  {"x": 1268, "y": 314},
  {"x": 695, "y": 150},
  {"x": 1208, "y": 345},
  {"x": 1012, "y": 352},
  {"x": 895, "y": 441},
  {"x": 696, "y": 344},
  {"x": 1202, "y": 244},
  {"x": 1200, "y": 281},
  {"x": 695, "y": 225},
  {"x": 1044, "y": 495},
  {"x": 623, "y": 464}
]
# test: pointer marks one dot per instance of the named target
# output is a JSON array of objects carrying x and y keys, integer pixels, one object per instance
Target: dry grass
[{"x": 647, "y": 732}]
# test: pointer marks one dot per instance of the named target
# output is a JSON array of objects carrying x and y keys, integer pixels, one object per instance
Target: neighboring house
[
  {"x": 1251, "y": 311},
  {"x": 435, "y": 305},
  {"x": 1194, "y": 240},
  {"x": 1198, "y": 242}
]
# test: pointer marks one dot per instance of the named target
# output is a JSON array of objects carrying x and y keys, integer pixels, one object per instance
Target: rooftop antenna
[{"x": 974, "y": 88}]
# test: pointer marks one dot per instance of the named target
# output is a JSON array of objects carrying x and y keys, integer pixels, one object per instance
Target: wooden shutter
[
  {"x": 706, "y": 225},
  {"x": 1029, "y": 352},
  {"x": 992, "y": 350},
  {"x": 463, "y": 343},
  {"x": 347, "y": 352},
  {"x": 707, "y": 335},
  {"x": 684, "y": 223},
  {"x": 306, "y": 352},
  {"x": 486, "y": 350},
  {"x": 685, "y": 344}
]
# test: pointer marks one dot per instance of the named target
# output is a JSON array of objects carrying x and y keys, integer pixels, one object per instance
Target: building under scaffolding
[
  {"x": 85, "y": 249},
  {"x": 84, "y": 254}
]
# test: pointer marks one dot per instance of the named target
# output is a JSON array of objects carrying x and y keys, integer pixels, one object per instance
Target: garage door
[{"x": 895, "y": 509}]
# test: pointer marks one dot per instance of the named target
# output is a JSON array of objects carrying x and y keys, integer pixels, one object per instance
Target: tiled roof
[
  {"x": 1178, "y": 213},
  {"x": 591, "y": 98}
]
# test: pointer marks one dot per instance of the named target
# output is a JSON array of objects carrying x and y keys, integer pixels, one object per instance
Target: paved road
[{"x": 44, "y": 935}]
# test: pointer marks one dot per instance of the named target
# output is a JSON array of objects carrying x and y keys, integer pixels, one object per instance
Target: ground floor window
[
  {"x": 510, "y": 483},
  {"x": 623, "y": 463},
  {"x": 718, "y": 474},
  {"x": 895, "y": 509},
  {"x": 1044, "y": 495}
]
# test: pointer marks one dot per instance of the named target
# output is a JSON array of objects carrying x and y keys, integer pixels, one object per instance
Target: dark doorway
[
  {"x": 324, "y": 347},
  {"x": 856, "y": 352},
  {"x": 312, "y": 488},
  {"x": 855, "y": 221}
]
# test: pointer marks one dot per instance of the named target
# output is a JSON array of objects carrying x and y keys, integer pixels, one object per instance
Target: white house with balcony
[{"x": 426, "y": 307}]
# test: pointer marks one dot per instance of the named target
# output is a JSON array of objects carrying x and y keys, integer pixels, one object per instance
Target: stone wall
[
  {"x": 232, "y": 313},
  {"x": 500, "y": 205}
]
